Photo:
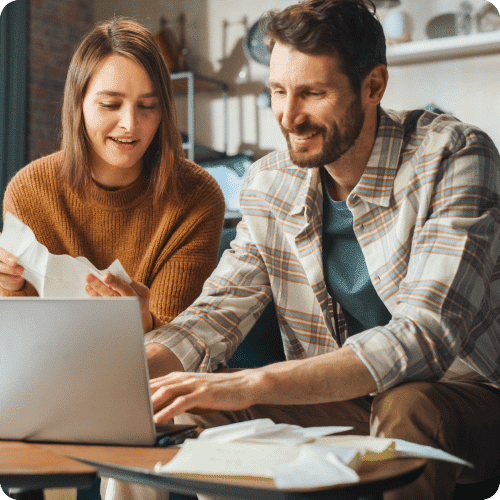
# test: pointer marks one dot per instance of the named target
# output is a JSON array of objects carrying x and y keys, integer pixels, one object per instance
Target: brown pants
[{"x": 460, "y": 416}]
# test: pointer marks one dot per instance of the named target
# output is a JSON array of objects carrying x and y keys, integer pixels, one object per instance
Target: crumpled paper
[
  {"x": 289, "y": 466},
  {"x": 51, "y": 275},
  {"x": 264, "y": 430},
  {"x": 294, "y": 457},
  {"x": 261, "y": 448}
]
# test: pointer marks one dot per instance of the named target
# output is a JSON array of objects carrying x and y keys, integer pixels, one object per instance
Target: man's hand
[
  {"x": 202, "y": 392},
  {"x": 10, "y": 272},
  {"x": 115, "y": 287},
  {"x": 336, "y": 376}
]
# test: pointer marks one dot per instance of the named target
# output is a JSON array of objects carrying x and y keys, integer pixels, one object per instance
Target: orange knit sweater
[{"x": 171, "y": 247}]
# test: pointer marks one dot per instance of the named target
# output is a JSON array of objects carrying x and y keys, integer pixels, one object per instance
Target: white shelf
[{"x": 439, "y": 49}]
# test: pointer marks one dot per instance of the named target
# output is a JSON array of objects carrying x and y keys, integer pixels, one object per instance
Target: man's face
[{"x": 316, "y": 108}]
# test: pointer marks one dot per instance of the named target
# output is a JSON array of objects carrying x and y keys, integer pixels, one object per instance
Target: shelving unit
[
  {"x": 440, "y": 49},
  {"x": 189, "y": 83}
]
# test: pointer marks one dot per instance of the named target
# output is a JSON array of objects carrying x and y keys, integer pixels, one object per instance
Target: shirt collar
[
  {"x": 310, "y": 194},
  {"x": 377, "y": 182}
]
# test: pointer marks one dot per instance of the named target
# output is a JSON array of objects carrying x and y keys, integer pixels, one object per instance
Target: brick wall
[{"x": 55, "y": 28}]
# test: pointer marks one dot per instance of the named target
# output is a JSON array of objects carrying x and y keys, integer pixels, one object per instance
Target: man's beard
[{"x": 335, "y": 142}]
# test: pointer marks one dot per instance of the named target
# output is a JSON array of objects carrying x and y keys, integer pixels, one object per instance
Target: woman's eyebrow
[{"x": 113, "y": 93}]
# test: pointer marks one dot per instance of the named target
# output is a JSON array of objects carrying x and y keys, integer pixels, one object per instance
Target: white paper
[
  {"x": 368, "y": 443},
  {"x": 288, "y": 466},
  {"x": 316, "y": 466},
  {"x": 264, "y": 430},
  {"x": 401, "y": 447},
  {"x": 239, "y": 430},
  {"x": 407, "y": 449},
  {"x": 51, "y": 275},
  {"x": 226, "y": 459}
]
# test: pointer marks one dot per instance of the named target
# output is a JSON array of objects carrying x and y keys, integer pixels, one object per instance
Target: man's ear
[{"x": 375, "y": 84}]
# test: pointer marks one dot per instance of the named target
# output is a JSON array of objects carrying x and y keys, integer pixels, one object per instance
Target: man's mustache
[{"x": 302, "y": 129}]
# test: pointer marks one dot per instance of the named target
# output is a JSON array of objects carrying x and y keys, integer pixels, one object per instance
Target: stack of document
[{"x": 292, "y": 456}]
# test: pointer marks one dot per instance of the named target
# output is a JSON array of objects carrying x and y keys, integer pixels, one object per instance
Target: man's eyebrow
[
  {"x": 112, "y": 93},
  {"x": 304, "y": 86}
]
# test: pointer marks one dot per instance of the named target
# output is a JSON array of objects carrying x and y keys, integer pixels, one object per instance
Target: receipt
[{"x": 51, "y": 275}]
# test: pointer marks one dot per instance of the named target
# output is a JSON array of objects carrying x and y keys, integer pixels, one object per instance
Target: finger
[
  {"x": 159, "y": 399},
  {"x": 11, "y": 274},
  {"x": 91, "y": 292},
  {"x": 163, "y": 416},
  {"x": 11, "y": 278},
  {"x": 96, "y": 288},
  {"x": 164, "y": 395},
  {"x": 118, "y": 285},
  {"x": 8, "y": 258},
  {"x": 11, "y": 283},
  {"x": 193, "y": 402},
  {"x": 178, "y": 406},
  {"x": 9, "y": 265},
  {"x": 167, "y": 381}
]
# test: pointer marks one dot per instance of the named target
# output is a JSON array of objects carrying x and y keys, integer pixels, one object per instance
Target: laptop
[{"x": 75, "y": 371}]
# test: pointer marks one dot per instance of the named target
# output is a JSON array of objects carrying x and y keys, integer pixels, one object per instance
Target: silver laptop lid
[{"x": 74, "y": 370}]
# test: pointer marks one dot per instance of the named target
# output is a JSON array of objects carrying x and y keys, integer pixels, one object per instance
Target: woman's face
[{"x": 121, "y": 113}]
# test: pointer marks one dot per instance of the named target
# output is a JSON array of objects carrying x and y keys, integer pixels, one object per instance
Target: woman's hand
[
  {"x": 10, "y": 272},
  {"x": 115, "y": 287}
]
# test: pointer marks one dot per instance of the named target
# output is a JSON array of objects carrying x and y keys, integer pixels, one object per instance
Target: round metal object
[{"x": 254, "y": 45}]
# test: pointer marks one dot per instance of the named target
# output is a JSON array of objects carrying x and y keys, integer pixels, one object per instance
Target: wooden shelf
[{"x": 439, "y": 49}]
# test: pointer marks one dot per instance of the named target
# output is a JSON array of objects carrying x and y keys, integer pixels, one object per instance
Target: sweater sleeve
[{"x": 13, "y": 203}]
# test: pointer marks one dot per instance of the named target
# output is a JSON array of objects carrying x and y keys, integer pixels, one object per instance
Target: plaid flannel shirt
[{"x": 427, "y": 216}]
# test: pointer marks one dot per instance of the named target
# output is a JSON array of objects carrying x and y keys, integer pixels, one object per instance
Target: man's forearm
[
  {"x": 335, "y": 376},
  {"x": 161, "y": 360}
]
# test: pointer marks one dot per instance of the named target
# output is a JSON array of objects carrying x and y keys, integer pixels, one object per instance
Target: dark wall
[
  {"x": 13, "y": 85},
  {"x": 55, "y": 28}
]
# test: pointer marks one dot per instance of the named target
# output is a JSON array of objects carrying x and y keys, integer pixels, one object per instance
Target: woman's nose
[{"x": 127, "y": 118}]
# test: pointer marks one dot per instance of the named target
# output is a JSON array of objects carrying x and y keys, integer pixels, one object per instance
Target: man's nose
[{"x": 293, "y": 113}]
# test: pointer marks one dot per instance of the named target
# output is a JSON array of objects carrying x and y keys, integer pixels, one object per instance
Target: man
[{"x": 377, "y": 236}]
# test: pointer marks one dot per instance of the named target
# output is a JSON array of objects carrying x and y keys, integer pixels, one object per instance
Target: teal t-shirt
[{"x": 346, "y": 274}]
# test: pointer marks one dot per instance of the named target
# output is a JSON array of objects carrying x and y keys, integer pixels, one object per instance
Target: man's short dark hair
[{"x": 347, "y": 29}]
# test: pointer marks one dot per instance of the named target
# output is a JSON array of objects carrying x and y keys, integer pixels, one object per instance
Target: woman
[{"x": 120, "y": 187}]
